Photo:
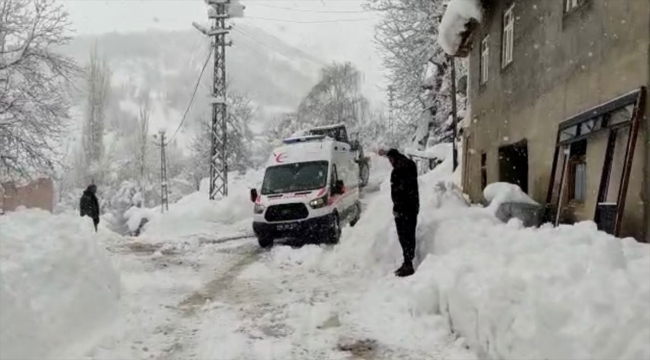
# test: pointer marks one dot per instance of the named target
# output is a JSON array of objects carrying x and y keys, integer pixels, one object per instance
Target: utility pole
[
  {"x": 218, "y": 12},
  {"x": 164, "y": 193},
  {"x": 454, "y": 110},
  {"x": 391, "y": 124}
]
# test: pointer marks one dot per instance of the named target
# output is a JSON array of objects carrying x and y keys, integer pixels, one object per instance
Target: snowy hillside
[{"x": 169, "y": 62}]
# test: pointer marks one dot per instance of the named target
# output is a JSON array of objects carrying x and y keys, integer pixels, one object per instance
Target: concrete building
[
  {"x": 556, "y": 89},
  {"x": 36, "y": 194}
]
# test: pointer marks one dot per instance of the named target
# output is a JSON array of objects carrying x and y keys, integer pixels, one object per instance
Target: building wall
[
  {"x": 563, "y": 65},
  {"x": 37, "y": 194}
]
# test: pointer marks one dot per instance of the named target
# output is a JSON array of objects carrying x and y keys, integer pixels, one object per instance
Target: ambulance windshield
[{"x": 295, "y": 177}]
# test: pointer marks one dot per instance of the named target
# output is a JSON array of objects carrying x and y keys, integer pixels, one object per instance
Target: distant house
[
  {"x": 558, "y": 91},
  {"x": 36, "y": 194}
]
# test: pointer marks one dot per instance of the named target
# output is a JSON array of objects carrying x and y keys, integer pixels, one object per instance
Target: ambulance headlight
[
  {"x": 259, "y": 209},
  {"x": 318, "y": 203}
]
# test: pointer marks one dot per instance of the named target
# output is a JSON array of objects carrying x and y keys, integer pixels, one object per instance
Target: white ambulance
[{"x": 310, "y": 188}]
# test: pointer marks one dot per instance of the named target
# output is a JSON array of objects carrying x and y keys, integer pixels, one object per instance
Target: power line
[
  {"x": 304, "y": 56},
  {"x": 308, "y": 62},
  {"x": 310, "y": 22},
  {"x": 196, "y": 87},
  {"x": 315, "y": 11}
]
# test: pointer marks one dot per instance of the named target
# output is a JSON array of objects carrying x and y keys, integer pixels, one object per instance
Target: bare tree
[
  {"x": 34, "y": 84},
  {"x": 143, "y": 138},
  {"x": 98, "y": 88},
  {"x": 336, "y": 98}
]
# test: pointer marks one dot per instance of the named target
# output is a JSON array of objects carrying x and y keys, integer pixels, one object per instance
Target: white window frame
[
  {"x": 485, "y": 59},
  {"x": 508, "y": 36},
  {"x": 570, "y": 5}
]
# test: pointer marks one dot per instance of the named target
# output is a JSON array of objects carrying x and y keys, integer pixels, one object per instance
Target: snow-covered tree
[
  {"x": 419, "y": 71},
  {"x": 34, "y": 80},
  {"x": 336, "y": 98},
  {"x": 281, "y": 127},
  {"x": 240, "y": 113},
  {"x": 98, "y": 84}
]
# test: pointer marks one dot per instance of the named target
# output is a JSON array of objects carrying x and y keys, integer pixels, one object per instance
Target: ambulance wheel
[
  {"x": 335, "y": 231},
  {"x": 265, "y": 242}
]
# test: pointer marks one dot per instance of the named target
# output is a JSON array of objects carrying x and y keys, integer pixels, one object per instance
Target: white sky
[{"x": 346, "y": 36}]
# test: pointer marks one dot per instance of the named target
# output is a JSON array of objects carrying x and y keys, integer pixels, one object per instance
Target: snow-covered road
[
  {"x": 228, "y": 299},
  {"x": 197, "y": 286}
]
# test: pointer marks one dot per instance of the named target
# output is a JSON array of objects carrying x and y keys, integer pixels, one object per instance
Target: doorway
[{"x": 513, "y": 164}]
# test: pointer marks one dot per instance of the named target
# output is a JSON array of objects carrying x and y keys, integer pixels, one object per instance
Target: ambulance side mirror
[{"x": 253, "y": 195}]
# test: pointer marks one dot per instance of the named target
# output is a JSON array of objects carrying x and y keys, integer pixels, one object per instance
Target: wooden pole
[{"x": 454, "y": 110}]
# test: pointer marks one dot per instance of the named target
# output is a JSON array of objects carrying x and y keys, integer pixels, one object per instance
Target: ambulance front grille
[{"x": 286, "y": 212}]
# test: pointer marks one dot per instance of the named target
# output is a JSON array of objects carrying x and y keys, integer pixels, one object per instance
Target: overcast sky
[{"x": 330, "y": 29}]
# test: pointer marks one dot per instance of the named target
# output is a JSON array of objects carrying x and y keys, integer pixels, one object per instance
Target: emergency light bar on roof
[{"x": 294, "y": 140}]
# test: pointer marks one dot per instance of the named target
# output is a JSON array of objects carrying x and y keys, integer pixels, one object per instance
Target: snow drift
[
  {"x": 196, "y": 215},
  {"x": 570, "y": 292},
  {"x": 57, "y": 284},
  {"x": 500, "y": 192},
  {"x": 452, "y": 25}
]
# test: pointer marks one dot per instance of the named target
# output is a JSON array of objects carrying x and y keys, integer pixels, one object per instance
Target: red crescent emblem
[{"x": 279, "y": 158}]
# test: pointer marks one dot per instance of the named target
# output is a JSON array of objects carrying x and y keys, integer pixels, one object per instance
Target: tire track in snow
[
  {"x": 183, "y": 335},
  {"x": 221, "y": 282}
]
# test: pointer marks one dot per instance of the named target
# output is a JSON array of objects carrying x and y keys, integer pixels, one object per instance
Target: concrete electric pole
[
  {"x": 164, "y": 192},
  {"x": 454, "y": 111},
  {"x": 218, "y": 12}
]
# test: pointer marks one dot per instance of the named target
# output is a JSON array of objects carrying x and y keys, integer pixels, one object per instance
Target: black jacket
[
  {"x": 89, "y": 206},
  {"x": 404, "y": 186}
]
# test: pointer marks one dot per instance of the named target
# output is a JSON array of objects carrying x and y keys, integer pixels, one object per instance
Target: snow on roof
[
  {"x": 439, "y": 151},
  {"x": 296, "y": 152},
  {"x": 454, "y": 23},
  {"x": 326, "y": 127}
]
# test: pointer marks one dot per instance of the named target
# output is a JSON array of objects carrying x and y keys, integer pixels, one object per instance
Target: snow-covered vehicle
[
  {"x": 340, "y": 133},
  {"x": 310, "y": 188}
]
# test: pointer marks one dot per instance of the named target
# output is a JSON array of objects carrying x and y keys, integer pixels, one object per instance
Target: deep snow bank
[
  {"x": 57, "y": 284},
  {"x": 452, "y": 25},
  {"x": 196, "y": 215},
  {"x": 570, "y": 292}
]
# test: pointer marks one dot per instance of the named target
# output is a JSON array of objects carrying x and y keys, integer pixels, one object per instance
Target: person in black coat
[
  {"x": 406, "y": 205},
  {"x": 89, "y": 206}
]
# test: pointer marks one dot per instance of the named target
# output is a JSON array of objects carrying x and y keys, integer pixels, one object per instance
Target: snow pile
[
  {"x": 453, "y": 22},
  {"x": 498, "y": 193},
  {"x": 57, "y": 284},
  {"x": 135, "y": 217},
  {"x": 197, "y": 215},
  {"x": 555, "y": 293},
  {"x": 439, "y": 151},
  {"x": 570, "y": 292}
]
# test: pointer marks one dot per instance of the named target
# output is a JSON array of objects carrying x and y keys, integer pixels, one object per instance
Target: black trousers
[{"x": 406, "y": 225}]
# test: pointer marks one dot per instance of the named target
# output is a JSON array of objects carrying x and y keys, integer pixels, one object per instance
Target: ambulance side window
[{"x": 335, "y": 177}]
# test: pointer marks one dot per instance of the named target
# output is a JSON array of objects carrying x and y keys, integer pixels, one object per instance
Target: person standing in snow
[
  {"x": 89, "y": 206},
  {"x": 406, "y": 205}
]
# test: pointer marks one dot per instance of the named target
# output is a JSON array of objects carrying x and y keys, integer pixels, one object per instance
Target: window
[
  {"x": 578, "y": 171},
  {"x": 485, "y": 58},
  {"x": 334, "y": 178},
  {"x": 570, "y": 5},
  {"x": 483, "y": 170},
  {"x": 508, "y": 36}
]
